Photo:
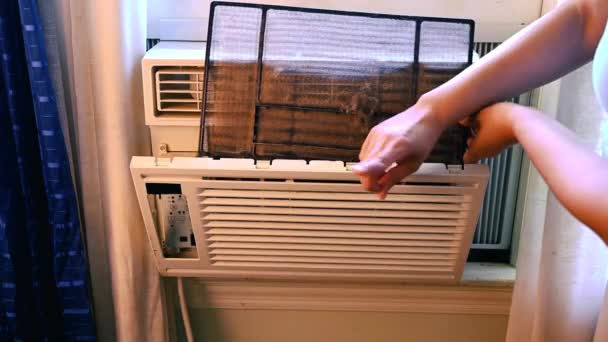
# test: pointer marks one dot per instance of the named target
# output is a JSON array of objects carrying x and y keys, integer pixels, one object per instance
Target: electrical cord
[{"x": 184, "y": 310}]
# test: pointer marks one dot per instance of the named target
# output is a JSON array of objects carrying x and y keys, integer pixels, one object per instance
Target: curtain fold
[
  {"x": 75, "y": 110},
  {"x": 562, "y": 268},
  {"x": 117, "y": 38},
  {"x": 44, "y": 294},
  {"x": 99, "y": 49}
]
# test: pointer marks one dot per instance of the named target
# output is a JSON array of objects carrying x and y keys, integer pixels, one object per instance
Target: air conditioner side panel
[{"x": 169, "y": 54}]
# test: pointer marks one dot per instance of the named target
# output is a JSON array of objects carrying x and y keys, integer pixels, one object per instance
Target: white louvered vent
[
  {"x": 178, "y": 89},
  {"x": 311, "y": 222},
  {"x": 254, "y": 225}
]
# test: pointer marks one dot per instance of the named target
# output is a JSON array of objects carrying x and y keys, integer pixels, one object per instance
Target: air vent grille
[
  {"x": 341, "y": 228},
  {"x": 483, "y": 48},
  {"x": 495, "y": 225},
  {"x": 178, "y": 89}
]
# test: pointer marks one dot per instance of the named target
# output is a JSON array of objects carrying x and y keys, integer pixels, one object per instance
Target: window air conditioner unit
[{"x": 287, "y": 96}]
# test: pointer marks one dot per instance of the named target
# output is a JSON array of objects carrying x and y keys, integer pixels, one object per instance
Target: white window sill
[{"x": 488, "y": 274}]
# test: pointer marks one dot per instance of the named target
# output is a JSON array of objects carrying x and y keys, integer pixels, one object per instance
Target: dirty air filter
[{"x": 284, "y": 82}]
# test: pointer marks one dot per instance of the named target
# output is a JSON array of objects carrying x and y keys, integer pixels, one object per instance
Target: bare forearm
[
  {"x": 557, "y": 43},
  {"x": 576, "y": 175},
  {"x": 549, "y": 48}
]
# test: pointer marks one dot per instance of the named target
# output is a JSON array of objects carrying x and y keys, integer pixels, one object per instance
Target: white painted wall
[
  {"x": 252, "y": 311},
  {"x": 496, "y": 19},
  {"x": 328, "y": 326}
]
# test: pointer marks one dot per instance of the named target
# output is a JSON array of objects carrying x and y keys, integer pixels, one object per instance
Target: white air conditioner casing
[
  {"x": 174, "y": 127},
  {"x": 298, "y": 220}
]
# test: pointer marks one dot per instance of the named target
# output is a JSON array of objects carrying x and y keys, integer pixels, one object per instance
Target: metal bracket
[{"x": 163, "y": 149}]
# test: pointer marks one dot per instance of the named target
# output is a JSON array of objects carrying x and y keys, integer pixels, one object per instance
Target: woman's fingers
[
  {"x": 368, "y": 175},
  {"x": 370, "y": 171},
  {"x": 407, "y": 137},
  {"x": 395, "y": 176},
  {"x": 380, "y": 174}
]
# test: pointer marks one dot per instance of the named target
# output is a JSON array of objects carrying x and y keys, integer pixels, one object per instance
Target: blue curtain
[{"x": 44, "y": 280}]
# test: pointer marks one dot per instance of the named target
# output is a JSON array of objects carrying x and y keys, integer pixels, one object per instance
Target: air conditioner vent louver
[
  {"x": 178, "y": 89},
  {"x": 351, "y": 230}
]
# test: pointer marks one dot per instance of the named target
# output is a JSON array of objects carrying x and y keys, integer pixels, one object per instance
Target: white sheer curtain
[
  {"x": 95, "y": 49},
  {"x": 562, "y": 265}
]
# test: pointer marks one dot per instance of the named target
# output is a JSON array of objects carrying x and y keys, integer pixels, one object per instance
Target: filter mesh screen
[{"x": 309, "y": 84}]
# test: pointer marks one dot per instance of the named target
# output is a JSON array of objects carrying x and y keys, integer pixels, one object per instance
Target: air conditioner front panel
[{"x": 313, "y": 221}]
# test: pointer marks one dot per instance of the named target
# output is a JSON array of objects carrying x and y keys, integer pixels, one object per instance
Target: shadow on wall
[{"x": 206, "y": 324}]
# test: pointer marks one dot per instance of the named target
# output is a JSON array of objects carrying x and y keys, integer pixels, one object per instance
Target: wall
[
  {"x": 187, "y": 21},
  {"x": 252, "y": 311},
  {"x": 307, "y": 326}
]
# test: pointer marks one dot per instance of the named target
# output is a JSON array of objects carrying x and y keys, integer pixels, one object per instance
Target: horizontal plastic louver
[
  {"x": 178, "y": 89},
  {"x": 301, "y": 229}
]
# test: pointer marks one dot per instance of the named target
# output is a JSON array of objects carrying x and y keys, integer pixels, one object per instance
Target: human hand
[
  {"x": 493, "y": 131},
  {"x": 406, "y": 140}
]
